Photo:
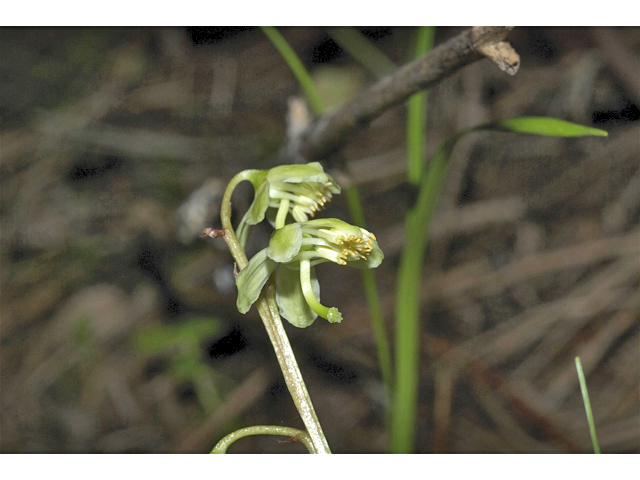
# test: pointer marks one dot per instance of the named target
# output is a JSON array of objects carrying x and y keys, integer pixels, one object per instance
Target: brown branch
[{"x": 327, "y": 133}]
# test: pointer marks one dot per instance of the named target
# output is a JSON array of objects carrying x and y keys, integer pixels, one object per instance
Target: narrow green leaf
[
  {"x": 362, "y": 50},
  {"x": 543, "y": 126},
  {"x": 417, "y": 115},
  {"x": 296, "y": 67},
  {"x": 587, "y": 406},
  {"x": 409, "y": 279}
]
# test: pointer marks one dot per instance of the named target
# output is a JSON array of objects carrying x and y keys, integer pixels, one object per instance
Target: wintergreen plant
[{"x": 288, "y": 196}]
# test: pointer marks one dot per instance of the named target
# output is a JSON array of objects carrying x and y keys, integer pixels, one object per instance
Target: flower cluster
[
  {"x": 285, "y": 192},
  {"x": 298, "y": 244}
]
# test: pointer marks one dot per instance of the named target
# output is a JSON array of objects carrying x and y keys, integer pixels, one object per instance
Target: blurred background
[{"x": 119, "y": 331}]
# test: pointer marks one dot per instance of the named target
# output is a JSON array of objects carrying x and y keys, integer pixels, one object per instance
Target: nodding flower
[
  {"x": 297, "y": 248},
  {"x": 298, "y": 191}
]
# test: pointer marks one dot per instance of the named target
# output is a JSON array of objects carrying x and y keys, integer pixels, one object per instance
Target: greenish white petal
[
  {"x": 298, "y": 173},
  {"x": 340, "y": 242},
  {"x": 256, "y": 211}
]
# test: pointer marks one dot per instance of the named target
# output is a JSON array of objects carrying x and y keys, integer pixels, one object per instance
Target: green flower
[
  {"x": 296, "y": 190},
  {"x": 297, "y": 248}
]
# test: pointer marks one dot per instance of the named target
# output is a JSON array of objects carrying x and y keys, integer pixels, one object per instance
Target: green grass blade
[
  {"x": 587, "y": 406},
  {"x": 362, "y": 50},
  {"x": 297, "y": 68},
  {"x": 543, "y": 126},
  {"x": 416, "y": 115},
  {"x": 410, "y": 270},
  {"x": 407, "y": 341}
]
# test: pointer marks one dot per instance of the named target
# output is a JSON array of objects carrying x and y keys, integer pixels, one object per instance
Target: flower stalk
[{"x": 268, "y": 310}]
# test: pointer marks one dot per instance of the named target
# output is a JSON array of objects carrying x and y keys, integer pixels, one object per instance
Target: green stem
[
  {"x": 417, "y": 223},
  {"x": 409, "y": 281},
  {"x": 294, "y": 433},
  {"x": 296, "y": 67},
  {"x": 416, "y": 115},
  {"x": 373, "y": 299},
  {"x": 270, "y": 314},
  {"x": 362, "y": 50},
  {"x": 225, "y": 215},
  {"x": 587, "y": 406}
]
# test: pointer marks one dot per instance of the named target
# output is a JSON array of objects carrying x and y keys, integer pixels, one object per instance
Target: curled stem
[
  {"x": 270, "y": 314},
  {"x": 293, "y": 433}
]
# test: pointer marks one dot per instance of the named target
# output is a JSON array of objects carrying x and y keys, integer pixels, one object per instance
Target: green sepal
[
  {"x": 252, "y": 278},
  {"x": 285, "y": 243},
  {"x": 293, "y": 306}
]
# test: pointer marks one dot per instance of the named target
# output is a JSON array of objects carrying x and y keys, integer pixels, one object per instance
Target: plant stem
[
  {"x": 362, "y": 50},
  {"x": 294, "y": 433},
  {"x": 373, "y": 299},
  {"x": 268, "y": 310}
]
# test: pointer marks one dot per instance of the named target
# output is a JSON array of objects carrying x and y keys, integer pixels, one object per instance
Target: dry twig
[{"x": 327, "y": 133}]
